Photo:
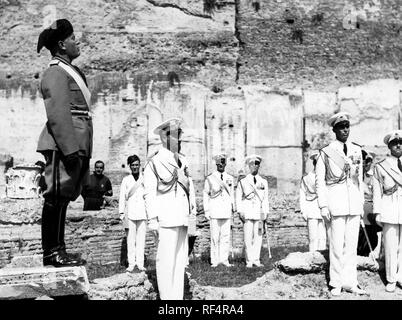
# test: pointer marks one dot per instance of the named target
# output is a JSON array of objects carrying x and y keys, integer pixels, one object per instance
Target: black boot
[
  {"x": 57, "y": 259},
  {"x": 62, "y": 245},
  {"x": 49, "y": 228}
]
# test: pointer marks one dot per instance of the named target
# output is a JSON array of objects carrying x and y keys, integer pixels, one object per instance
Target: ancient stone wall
[
  {"x": 100, "y": 238},
  {"x": 318, "y": 44}
]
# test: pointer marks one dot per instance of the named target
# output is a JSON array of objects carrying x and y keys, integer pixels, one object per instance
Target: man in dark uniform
[
  {"x": 66, "y": 139},
  {"x": 98, "y": 188}
]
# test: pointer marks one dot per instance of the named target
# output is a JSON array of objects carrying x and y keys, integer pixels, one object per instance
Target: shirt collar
[
  {"x": 168, "y": 155},
  {"x": 340, "y": 144},
  {"x": 251, "y": 177}
]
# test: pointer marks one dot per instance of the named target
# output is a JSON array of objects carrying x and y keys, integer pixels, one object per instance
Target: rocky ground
[
  {"x": 300, "y": 276},
  {"x": 277, "y": 285}
]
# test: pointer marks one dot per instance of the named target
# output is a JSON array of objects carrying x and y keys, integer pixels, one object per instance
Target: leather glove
[{"x": 71, "y": 160}]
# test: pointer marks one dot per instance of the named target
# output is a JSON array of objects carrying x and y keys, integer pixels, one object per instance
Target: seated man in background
[{"x": 98, "y": 188}]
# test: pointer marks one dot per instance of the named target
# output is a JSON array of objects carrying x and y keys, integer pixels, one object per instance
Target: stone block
[
  {"x": 307, "y": 262},
  {"x": 122, "y": 286},
  {"x": 32, "y": 283}
]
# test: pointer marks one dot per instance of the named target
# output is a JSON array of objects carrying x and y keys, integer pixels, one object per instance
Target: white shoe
[
  {"x": 130, "y": 269},
  {"x": 249, "y": 265},
  {"x": 258, "y": 264},
  {"x": 390, "y": 287},
  {"x": 214, "y": 265},
  {"x": 227, "y": 264},
  {"x": 355, "y": 290},
  {"x": 336, "y": 291}
]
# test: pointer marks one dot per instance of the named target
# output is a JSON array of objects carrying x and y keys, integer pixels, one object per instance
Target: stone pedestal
[
  {"x": 36, "y": 282},
  {"x": 23, "y": 182}
]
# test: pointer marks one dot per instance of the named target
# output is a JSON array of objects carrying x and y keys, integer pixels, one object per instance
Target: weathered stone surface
[
  {"x": 30, "y": 283},
  {"x": 26, "y": 261},
  {"x": 302, "y": 262},
  {"x": 306, "y": 262},
  {"x": 23, "y": 182},
  {"x": 123, "y": 286}
]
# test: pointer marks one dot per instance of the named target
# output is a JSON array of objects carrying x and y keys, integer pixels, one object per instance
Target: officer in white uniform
[
  {"x": 253, "y": 207},
  {"x": 310, "y": 210},
  {"x": 169, "y": 200},
  {"x": 218, "y": 208},
  {"x": 132, "y": 209},
  {"x": 339, "y": 185},
  {"x": 387, "y": 198}
]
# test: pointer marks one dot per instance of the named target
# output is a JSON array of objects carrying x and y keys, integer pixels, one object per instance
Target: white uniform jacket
[
  {"x": 165, "y": 198},
  {"x": 131, "y": 201},
  {"x": 387, "y": 192},
  {"x": 308, "y": 197},
  {"x": 218, "y": 196},
  {"x": 340, "y": 186},
  {"x": 248, "y": 203}
]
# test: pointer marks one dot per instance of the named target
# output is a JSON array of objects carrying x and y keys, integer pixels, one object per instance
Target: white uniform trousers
[
  {"x": 171, "y": 259},
  {"x": 252, "y": 240},
  {"x": 220, "y": 240},
  {"x": 136, "y": 242},
  {"x": 344, "y": 234},
  {"x": 393, "y": 251},
  {"x": 317, "y": 234}
]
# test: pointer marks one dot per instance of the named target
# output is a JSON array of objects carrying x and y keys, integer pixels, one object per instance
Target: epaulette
[{"x": 356, "y": 144}]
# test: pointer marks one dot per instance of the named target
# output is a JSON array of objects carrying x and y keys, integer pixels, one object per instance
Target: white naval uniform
[
  {"x": 342, "y": 193},
  {"x": 218, "y": 200},
  {"x": 387, "y": 198},
  {"x": 310, "y": 210},
  {"x": 133, "y": 206},
  {"x": 255, "y": 210},
  {"x": 172, "y": 208}
]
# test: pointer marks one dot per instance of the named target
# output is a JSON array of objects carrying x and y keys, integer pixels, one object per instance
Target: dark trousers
[
  {"x": 93, "y": 203},
  {"x": 363, "y": 248},
  {"x": 63, "y": 185}
]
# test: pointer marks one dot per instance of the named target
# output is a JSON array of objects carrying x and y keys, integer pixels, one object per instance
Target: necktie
[
  {"x": 345, "y": 149},
  {"x": 255, "y": 180},
  {"x": 176, "y": 157},
  {"x": 222, "y": 176},
  {"x": 399, "y": 164}
]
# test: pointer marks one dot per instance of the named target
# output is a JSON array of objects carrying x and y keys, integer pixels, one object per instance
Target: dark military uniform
[{"x": 67, "y": 131}]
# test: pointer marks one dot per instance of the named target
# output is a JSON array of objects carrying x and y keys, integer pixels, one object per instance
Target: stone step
[{"x": 35, "y": 282}]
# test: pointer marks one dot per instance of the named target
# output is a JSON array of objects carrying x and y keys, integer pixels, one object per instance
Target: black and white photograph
[{"x": 201, "y": 150}]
